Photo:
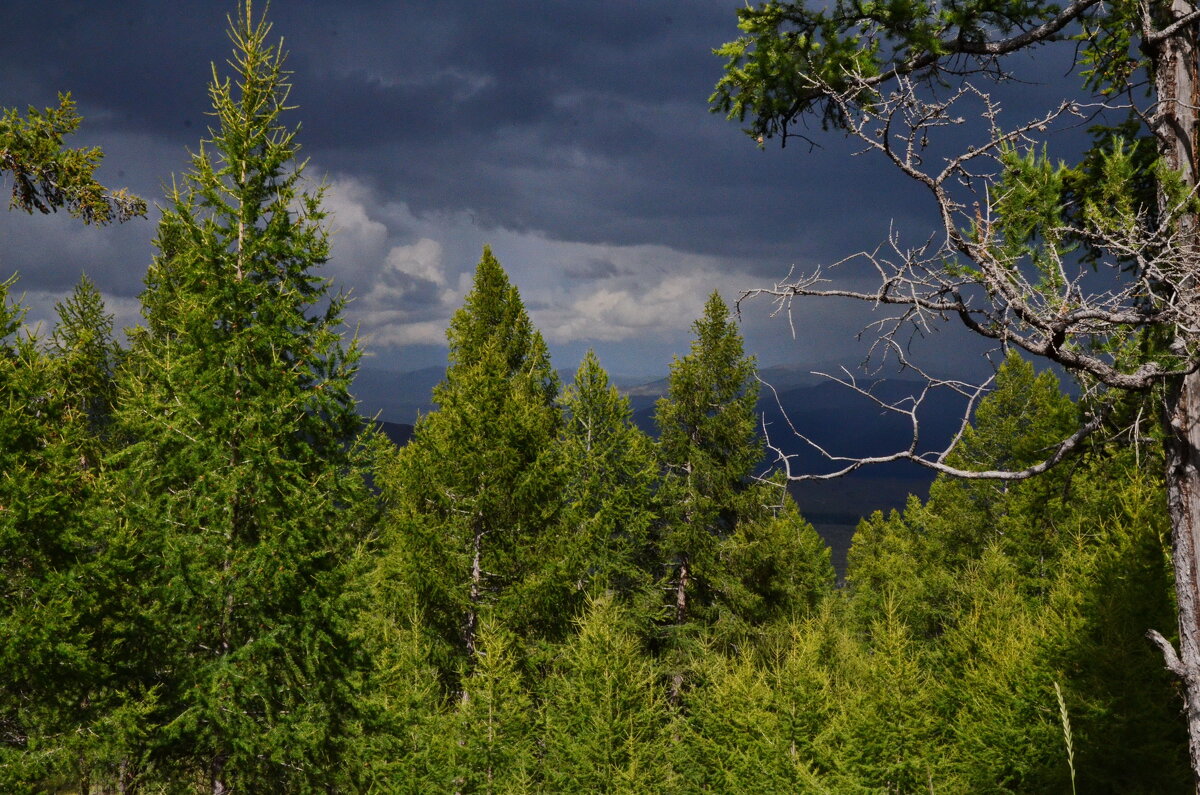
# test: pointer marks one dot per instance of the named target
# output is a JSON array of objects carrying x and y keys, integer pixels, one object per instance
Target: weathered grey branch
[{"x": 1170, "y": 657}]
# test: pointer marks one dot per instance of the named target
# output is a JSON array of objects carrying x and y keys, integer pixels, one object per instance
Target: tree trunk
[
  {"x": 1183, "y": 499},
  {"x": 216, "y": 774},
  {"x": 1174, "y": 122},
  {"x": 476, "y": 588},
  {"x": 680, "y": 618},
  {"x": 681, "y": 593}
]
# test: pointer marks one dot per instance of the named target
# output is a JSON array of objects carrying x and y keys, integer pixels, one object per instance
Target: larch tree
[
  {"x": 237, "y": 496},
  {"x": 1011, "y": 587},
  {"x": 602, "y": 711},
  {"x": 492, "y": 740},
  {"x": 472, "y": 492},
  {"x": 50, "y": 409},
  {"x": 44, "y": 542},
  {"x": 66, "y": 721},
  {"x": 709, "y": 445},
  {"x": 1018, "y": 236},
  {"x": 87, "y": 357},
  {"x": 609, "y": 473}
]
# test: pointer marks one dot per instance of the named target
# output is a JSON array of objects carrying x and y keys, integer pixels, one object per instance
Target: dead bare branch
[{"x": 1036, "y": 298}]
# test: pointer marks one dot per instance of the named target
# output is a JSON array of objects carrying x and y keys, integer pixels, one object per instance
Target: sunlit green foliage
[
  {"x": 200, "y": 593},
  {"x": 604, "y": 713},
  {"x": 609, "y": 473},
  {"x": 472, "y": 495}
]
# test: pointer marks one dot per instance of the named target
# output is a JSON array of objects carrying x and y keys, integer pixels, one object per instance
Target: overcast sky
[{"x": 574, "y": 137}]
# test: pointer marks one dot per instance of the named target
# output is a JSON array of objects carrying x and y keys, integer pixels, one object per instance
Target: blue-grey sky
[{"x": 573, "y": 137}]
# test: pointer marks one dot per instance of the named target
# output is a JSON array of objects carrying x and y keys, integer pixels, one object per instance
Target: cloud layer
[{"x": 574, "y": 138}]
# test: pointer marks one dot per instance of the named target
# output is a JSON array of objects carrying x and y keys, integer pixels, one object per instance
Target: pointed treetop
[
  {"x": 263, "y": 83},
  {"x": 716, "y": 326},
  {"x": 241, "y": 220},
  {"x": 707, "y": 418},
  {"x": 594, "y": 408},
  {"x": 591, "y": 375},
  {"x": 717, "y": 371},
  {"x": 494, "y": 316},
  {"x": 82, "y": 320}
]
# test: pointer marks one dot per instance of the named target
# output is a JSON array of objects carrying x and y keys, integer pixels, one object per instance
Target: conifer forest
[{"x": 218, "y": 576}]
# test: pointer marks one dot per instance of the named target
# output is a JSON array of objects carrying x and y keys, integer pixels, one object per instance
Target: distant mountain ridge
[{"x": 831, "y": 415}]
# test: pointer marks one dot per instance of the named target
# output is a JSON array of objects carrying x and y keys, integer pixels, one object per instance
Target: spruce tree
[
  {"x": 238, "y": 493},
  {"x": 470, "y": 495},
  {"x": 709, "y": 446},
  {"x": 609, "y": 474},
  {"x": 86, "y": 356},
  {"x": 39, "y": 544},
  {"x": 65, "y": 723},
  {"x": 774, "y": 568}
]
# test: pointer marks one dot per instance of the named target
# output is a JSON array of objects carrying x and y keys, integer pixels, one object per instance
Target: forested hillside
[{"x": 218, "y": 577}]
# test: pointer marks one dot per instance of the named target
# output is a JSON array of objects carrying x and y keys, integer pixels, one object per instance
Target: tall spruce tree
[
  {"x": 609, "y": 474},
  {"x": 709, "y": 445},
  {"x": 238, "y": 493},
  {"x": 474, "y": 489}
]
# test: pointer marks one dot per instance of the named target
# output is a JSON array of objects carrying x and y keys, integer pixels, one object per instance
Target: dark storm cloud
[
  {"x": 595, "y": 269},
  {"x": 575, "y": 134},
  {"x": 583, "y": 121}
]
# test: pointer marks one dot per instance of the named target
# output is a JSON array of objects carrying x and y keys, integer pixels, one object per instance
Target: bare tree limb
[{"x": 1170, "y": 658}]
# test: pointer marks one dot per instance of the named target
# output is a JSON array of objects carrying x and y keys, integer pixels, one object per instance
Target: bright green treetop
[{"x": 609, "y": 475}]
